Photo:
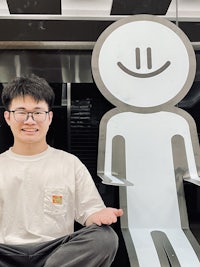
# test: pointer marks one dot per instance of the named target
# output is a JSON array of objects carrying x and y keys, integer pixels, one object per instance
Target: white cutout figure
[{"x": 145, "y": 65}]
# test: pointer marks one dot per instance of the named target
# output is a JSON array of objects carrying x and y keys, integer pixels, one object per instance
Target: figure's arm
[
  {"x": 111, "y": 156},
  {"x": 195, "y": 181},
  {"x": 113, "y": 180},
  {"x": 186, "y": 153},
  {"x": 192, "y": 175}
]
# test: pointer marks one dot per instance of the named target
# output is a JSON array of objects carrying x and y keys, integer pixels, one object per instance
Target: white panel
[
  {"x": 86, "y": 7},
  {"x": 186, "y": 8}
]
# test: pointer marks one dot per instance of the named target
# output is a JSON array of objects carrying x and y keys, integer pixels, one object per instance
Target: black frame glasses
[{"x": 22, "y": 115}]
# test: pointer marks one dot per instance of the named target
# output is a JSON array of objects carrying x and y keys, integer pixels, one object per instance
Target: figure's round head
[{"x": 143, "y": 63}]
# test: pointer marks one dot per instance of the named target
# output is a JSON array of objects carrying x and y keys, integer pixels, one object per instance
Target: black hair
[{"x": 32, "y": 85}]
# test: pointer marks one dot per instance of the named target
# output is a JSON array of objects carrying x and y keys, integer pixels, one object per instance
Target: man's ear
[
  {"x": 50, "y": 117},
  {"x": 7, "y": 117}
]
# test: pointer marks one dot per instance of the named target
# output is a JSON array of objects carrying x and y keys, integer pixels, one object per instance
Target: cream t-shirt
[{"x": 42, "y": 195}]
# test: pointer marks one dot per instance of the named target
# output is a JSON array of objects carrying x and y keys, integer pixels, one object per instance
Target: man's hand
[{"x": 104, "y": 216}]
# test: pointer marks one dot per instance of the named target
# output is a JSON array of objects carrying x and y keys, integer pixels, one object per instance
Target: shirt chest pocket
[{"x": 55, "y": 201}]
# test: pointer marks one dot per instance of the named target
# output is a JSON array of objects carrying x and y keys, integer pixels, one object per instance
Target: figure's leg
[
  {"x": 164, "y": 248},
  {"x": 186, "y": 249},
  {"x": 93, "y": 246}
]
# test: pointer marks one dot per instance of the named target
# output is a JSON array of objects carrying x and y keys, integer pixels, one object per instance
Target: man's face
[{"x": 28, "y": 131}]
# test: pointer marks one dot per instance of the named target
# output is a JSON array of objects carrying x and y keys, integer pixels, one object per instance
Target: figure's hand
[
  {"x": 113, "y": 180},
  {"x": 104, "y": 216}
]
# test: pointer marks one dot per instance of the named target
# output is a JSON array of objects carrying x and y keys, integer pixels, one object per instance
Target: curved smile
[
  {"x": 30, "y": 131},
  {"x": 144, "y": 75}
]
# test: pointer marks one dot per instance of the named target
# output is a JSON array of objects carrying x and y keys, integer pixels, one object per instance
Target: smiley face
[
  {"x": 143, "y": 62},
  {"x": 138, "y": 66}
]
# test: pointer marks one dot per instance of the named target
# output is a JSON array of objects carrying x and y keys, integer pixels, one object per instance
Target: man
[{"x": 44, "y": 190}]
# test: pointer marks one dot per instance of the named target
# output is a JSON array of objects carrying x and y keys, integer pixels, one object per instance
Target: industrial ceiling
[{"x": 170, "y": 8}]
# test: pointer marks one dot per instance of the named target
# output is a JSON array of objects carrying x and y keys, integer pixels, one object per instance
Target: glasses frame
[{"x": 28, "y": 114}]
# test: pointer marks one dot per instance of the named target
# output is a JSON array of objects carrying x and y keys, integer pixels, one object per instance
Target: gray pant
[{"x": 93, "y": 246}]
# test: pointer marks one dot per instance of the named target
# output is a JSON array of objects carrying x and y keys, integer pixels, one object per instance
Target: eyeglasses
[{"x": 22, "y": 116}]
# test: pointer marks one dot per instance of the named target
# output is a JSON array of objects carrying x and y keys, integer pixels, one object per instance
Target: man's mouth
[{"x": 30, "y": 130}]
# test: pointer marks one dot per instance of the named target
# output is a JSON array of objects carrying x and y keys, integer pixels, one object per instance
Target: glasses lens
[
  {"x": 20, "y": 115},
  {"x": 39, "y": 116}
]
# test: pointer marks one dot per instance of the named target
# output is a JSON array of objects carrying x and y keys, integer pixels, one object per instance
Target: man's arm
[{"x": 104, "y": 216}]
